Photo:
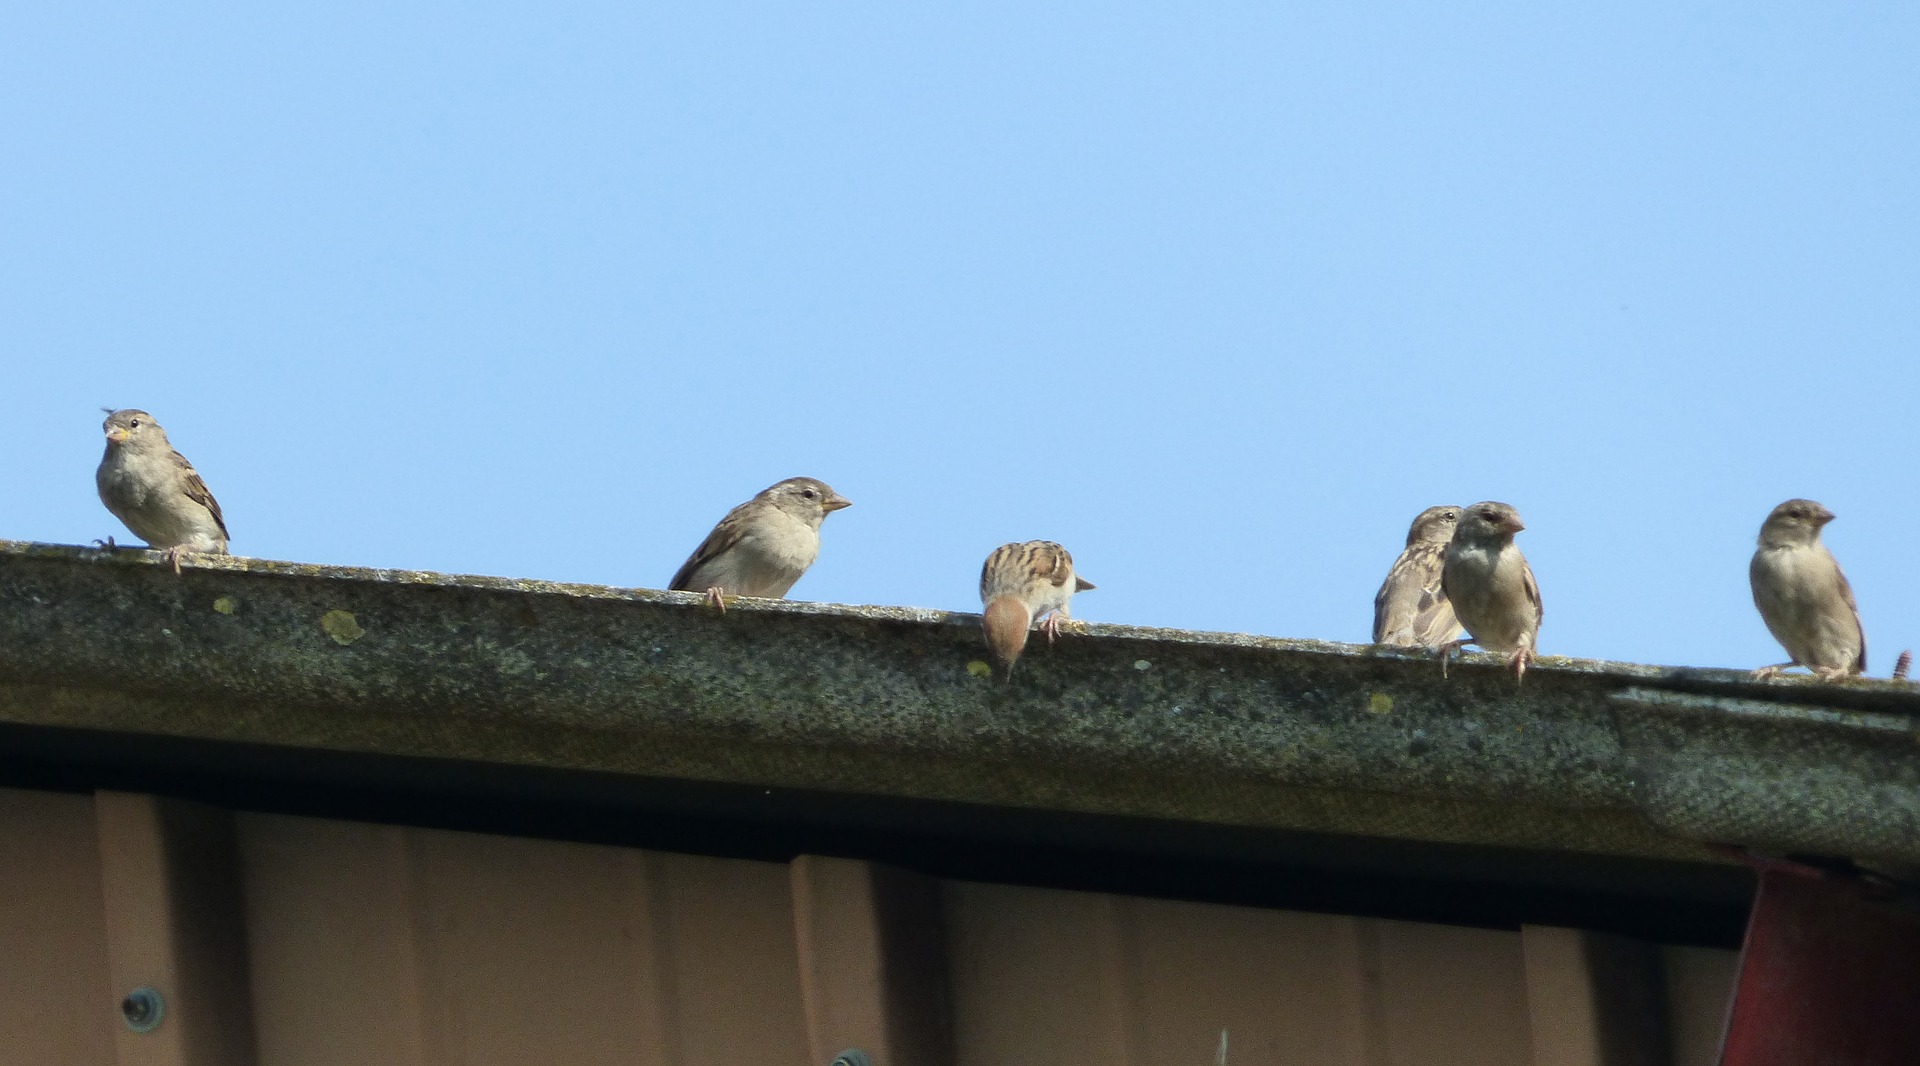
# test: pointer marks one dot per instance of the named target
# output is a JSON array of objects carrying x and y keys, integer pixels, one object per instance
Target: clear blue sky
[{"x": 1219, "y": 295}]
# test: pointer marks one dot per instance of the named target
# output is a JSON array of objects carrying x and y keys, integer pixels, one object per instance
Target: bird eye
[
  {"x": 809, "y": 493},
  {"x": 133, "y": 423}
]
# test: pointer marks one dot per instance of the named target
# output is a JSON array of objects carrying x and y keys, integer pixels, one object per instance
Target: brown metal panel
[
  {"x": 872, "y": 953},
  {"x": 1077, "y": 979},
  {"x": 530, "y": 951},
  {"x": 1595, "y": 999},
  {"x": 728, "y": 927},
  {"x": 378, "y": 944},
  {"x": 1699, "y": 991},
  {"x": 171, "y": 888},
  {"x": 1036, "y": 977},
  {"x": 1283, "y": 985},
  {"x": 1443, "y": 995},
  {"x": 57, "y": 1007},
  {"x": 335, "y": 974}
]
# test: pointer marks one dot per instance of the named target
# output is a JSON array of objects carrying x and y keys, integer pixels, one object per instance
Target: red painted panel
[{"x": 1829, "y": 975}]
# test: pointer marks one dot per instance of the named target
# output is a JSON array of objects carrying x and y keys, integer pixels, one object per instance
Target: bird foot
[
  {"x": 1832, "y": 673},
  {"x": 1446, "y": 652},
  {"x": 717, "y": 598},
  {"x": 106, "y": 545},
  {"x": 1768, "y": 673},
  {"x": 173, "y": 556},
  {"x": 1519, "y": 663},
  {"x": 1051, "y": 627}
]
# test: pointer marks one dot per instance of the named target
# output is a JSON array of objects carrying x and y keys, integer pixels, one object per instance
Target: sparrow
[
  {"x": 1022, "y": 584},
  {"x": 155, "y": 491},
  {"x": 1411, "y": 608},
  {"x": 763, "y": 546},
  {"x": 1803, "y": 597},
  {"x": 1491, "y": 586}
]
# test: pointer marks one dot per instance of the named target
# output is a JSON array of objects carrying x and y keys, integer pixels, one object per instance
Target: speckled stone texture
[{"x": 1586, "y": 756}]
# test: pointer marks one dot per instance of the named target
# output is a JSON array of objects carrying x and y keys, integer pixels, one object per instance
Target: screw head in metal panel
[
  {"x": 143, "y": 1008},
  {"x": 853, "y": 1056}
]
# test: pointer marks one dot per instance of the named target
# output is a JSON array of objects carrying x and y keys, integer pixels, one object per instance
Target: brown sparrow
[
  {"x": 155, "y": 491},
  {"x": 762, "y": 546},
  {"x": 1491, "y": 586},
  {"x": 1022, "y": 584},
  {"x": 1411, "y": 608},
  {"x": 1803, "y": 597}
]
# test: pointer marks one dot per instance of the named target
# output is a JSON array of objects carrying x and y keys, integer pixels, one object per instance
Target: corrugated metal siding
[{"x": 367, "y": 943}]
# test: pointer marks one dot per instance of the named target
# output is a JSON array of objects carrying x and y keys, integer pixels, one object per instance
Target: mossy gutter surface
[{"x": 1588, "y": 756}]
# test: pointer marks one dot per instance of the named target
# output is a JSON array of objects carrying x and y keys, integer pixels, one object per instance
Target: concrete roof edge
[{"x": 1230, "y": 729}]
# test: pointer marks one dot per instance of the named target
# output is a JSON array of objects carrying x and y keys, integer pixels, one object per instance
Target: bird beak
[
  {"x": 117, "y": 435},
  {"x": 1513, "y": 525},
  {"x": 837, "y": 501},
  {"x": 1823, "y": 517},
  {"x": 1081, "y": 584}
]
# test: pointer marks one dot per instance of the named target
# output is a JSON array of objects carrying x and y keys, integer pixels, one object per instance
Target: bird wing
[
  {"x": 1026, "y": 569},
  {"x": 1846, "y": 590},
  {"x": 1435, "y": 623},
  {"x": 995, "y": 559},
  {"x": 1051, "y": 562},
  {"x": 1383, "y": 603},
  {"x": 1410, "y": 601},
  {"x": 198, "y": 492},
  {"x": 731, "y": 531},
  {"x": 1533, "y": 594},
  {"x": 1017, "y": 568}
]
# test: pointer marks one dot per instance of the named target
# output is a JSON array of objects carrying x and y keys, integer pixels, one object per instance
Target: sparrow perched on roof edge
[
  {"x": 1491, "y": 586},
  {"x": 155, "y": 491},
  {"x": 1411, "y": 608},
  {"x": 1022, "y": 584},
  {"x": 1803, "y": 597},
  {"x": 762, "y": 546}
]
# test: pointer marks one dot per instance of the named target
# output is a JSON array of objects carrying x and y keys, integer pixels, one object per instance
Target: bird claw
[
  {"x": 1768, "y": 673},
  {"x": 173, "y": 556},
  {"x": 1051, "y": 627},
  {"x": 1519, "y": 663},
  {"x": 106, "y": 545},
  {"x": 716, "y": 598},
  {"x": 1446, "y": 652}
]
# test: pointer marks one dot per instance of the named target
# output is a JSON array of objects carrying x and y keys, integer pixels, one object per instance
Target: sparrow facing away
[
  {"x": 155, "y": 491},
  {"x": 762, "y": 546},
  {"x": 1491, "y": 586},
  {"x": 1803, "y": 597},
  {"x": 1022, "y": 584},
  {"x": 1411, "y": 608}
]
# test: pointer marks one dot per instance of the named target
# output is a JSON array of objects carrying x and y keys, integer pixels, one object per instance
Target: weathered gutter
[{"x": 1219, "y": 729}]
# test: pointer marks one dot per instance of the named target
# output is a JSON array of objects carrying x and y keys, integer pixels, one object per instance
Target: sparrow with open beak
[{"x": 762, "y": 546}]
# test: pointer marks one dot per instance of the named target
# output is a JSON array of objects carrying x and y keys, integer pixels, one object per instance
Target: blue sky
[{"x": 1219, "y": 296}]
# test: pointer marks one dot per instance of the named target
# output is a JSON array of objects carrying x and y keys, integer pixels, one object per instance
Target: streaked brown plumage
[
  {"x": 1802, "y": 595},
  {"x": 1411, "y": 608},
  {"x": 1022, "y": 584},
  {"x": 155, "y": 491},
  {"x": 1491, "y": 586}
]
